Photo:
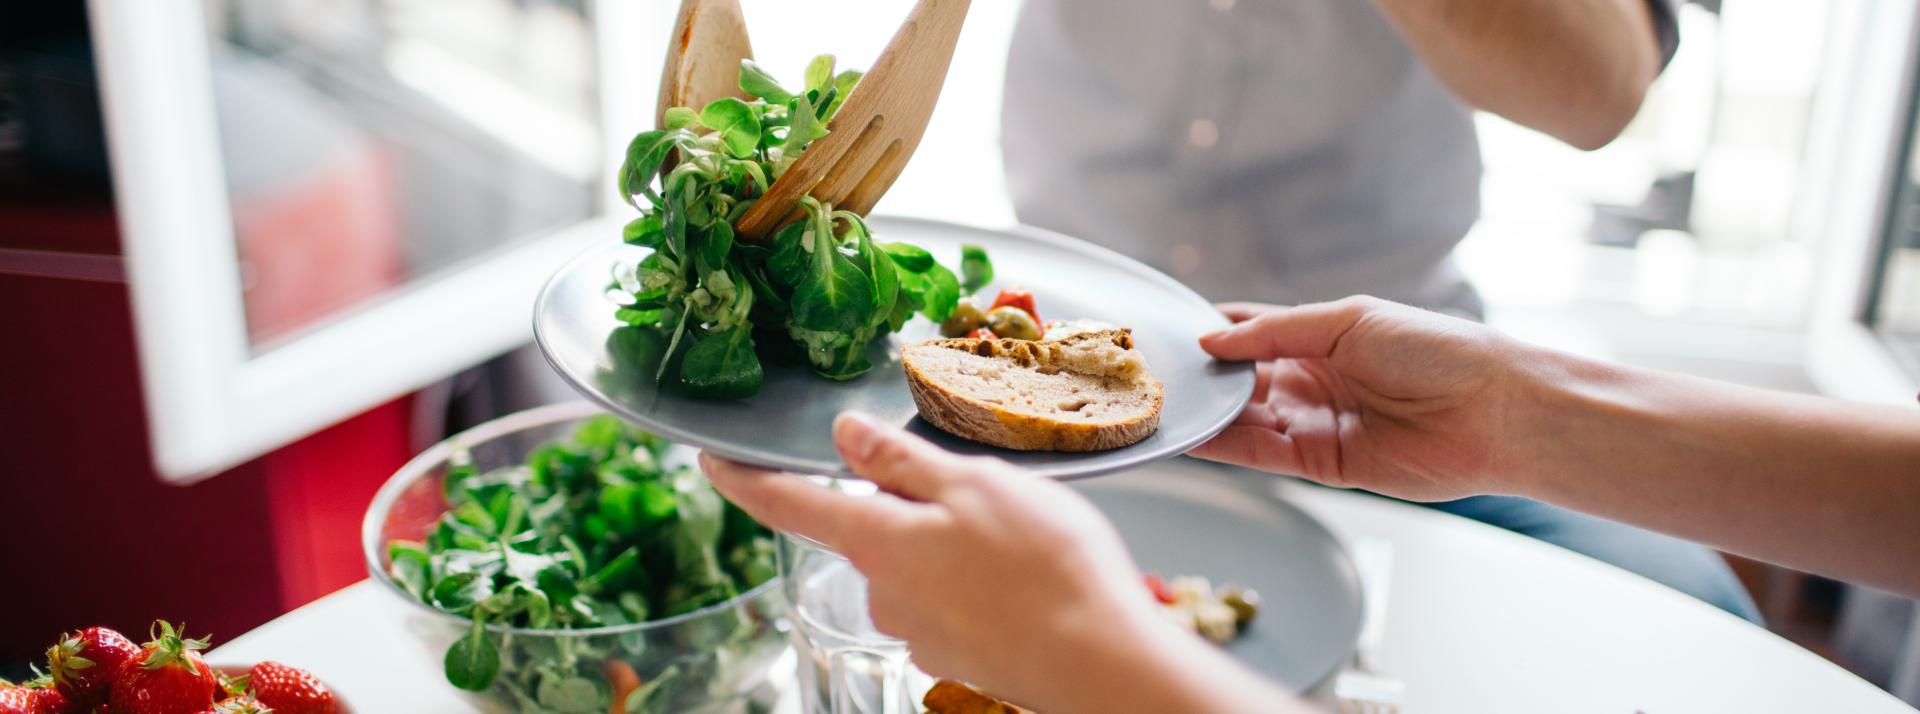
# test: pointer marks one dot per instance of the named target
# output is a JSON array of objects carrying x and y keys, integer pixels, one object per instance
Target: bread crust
[
  {"x": 988, "y": 423},
  {"x": 951, "y": 697}
]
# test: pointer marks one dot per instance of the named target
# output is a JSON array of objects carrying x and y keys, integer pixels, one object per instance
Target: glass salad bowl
[{"x": 731, "y": 654}]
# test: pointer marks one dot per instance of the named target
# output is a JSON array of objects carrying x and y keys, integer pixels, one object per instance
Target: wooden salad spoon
[
  {"x": 703, "y": 56},
  {"x": 871, "y": 137}
]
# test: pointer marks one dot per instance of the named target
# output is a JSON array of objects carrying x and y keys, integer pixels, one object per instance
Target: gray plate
[
  {"x": 788, "y": 424},
  {"x": 1190, "y": 517}
]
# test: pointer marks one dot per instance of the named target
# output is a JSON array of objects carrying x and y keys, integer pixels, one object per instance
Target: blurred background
[{"x": 348, "y": 189}]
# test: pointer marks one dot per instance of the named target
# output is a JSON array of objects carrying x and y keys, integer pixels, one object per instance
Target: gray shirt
[{"x": 1283, "y": 151}]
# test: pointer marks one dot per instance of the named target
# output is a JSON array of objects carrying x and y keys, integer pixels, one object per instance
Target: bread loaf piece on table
[
  {"x": 1087, "y": 392},
  {"x": 951, "y": 697}
]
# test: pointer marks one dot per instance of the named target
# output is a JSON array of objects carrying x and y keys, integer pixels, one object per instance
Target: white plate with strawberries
[{"x": 100, "y": 670}]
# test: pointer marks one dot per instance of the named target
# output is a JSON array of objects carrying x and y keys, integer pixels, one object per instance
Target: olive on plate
[
  {"x": 1013, "y": 323},
  {"x": 967, "y": 317}
]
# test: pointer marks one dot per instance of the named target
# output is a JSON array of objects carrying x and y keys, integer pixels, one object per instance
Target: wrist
[
  {"x": 1142, "y": 662},
  {"x": 1561, "y": 407}
]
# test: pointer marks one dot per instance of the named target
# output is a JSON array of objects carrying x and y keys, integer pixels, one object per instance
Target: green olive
[
  {"x": 967, "y": 317},
  {"x": 1244, "y": 601},
  {"x": 1014, "y": 323}
]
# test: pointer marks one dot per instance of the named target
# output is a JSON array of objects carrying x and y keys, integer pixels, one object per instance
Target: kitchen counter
[{"x": 1479, "y": 620}]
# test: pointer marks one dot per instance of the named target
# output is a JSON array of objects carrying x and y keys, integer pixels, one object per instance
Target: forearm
[
  {"x": 1156, "y": 667},
  {"x": 1811, "y": 483},
  {"x": 1575, "y": 69}
]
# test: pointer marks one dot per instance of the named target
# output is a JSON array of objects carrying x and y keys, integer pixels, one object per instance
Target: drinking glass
[{"x": 846, "y": 665}]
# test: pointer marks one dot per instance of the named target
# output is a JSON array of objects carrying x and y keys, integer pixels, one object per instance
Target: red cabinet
[{"x": 93, "y": 534}]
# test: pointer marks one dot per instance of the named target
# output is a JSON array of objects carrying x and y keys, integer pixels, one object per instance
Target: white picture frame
[{"x": 211, "y": 402}]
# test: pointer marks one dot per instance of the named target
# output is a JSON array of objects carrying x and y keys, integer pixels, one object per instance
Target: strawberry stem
[
  {"x": 65, "y": 660},
  {"x": 169, "y": 647}
]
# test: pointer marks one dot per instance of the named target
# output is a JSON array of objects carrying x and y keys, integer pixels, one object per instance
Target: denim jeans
[{"x": 1688, "y": 567}]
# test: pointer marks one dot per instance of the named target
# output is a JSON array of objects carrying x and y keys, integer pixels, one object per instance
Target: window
[
  {"x": 1893, "y": 305},
  {"x": 326, "y": 204},
  {"x": 367, "y": 145},
  {"x": 1861, "y": 207}
]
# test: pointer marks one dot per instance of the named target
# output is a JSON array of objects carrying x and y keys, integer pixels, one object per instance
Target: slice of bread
[
  {"x": 1088, "y": 392},
  {"x": 951, "y": 697}
]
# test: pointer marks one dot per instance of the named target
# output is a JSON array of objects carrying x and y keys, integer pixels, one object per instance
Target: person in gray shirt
[{"x": 1290, "y": 151}]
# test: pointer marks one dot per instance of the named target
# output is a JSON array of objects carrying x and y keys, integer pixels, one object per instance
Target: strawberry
[
  {"x": 167, "y": 677},
  {"x": 15, "y": 699},
  {"x": 33, "y": 699},
  {"x": 83, "y": 664},
  {"x": 289, "y": 690},
  {"x": 47, "y": 700},
  {"x": 241, "y": 704}
]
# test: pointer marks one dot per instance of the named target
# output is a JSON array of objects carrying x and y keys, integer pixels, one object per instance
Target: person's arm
[
  {"x": 995, "y": 577},
  {"x": 1575, "y": 69},
  {"x": 1370, "y": 394},
  {"x": 1814, "y": 484}
]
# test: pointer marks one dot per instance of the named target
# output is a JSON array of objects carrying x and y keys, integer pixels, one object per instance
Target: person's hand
[
  {"x": 1364, "y": 393},
  {"x": 994, "y": 576}
]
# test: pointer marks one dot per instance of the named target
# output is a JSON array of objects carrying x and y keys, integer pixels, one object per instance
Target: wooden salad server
[
  {"x": 871, "y": 137},
  {"x": 703, "y": 56}
]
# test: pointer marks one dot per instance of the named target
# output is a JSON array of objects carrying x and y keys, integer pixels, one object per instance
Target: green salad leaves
[
  {"x": 820, "y": 291},
  {"x": 593, "y": 531}
]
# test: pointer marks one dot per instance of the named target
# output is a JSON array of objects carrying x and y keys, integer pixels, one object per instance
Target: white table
[{"x": 1481, "y": 620}]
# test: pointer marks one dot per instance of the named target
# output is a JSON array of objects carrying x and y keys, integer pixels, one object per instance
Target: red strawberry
[
  {"x": 16, "y": 699},
  {"x": 289, "y": 690},
  {"x": 84, "y": 663},
  {"x": 242, "y": 704},
  {"x": 167, "y": 677},
  {"x": 50, "y": 701}
]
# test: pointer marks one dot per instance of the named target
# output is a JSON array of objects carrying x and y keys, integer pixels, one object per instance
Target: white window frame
[
  {"x": 212, "y": 403},
  {"x": 1853, "y": 162}
]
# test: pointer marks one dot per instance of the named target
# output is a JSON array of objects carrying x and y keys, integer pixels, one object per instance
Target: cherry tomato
[
  {"x": 1020, "y": 298},
  {"x": 1159, "y": 589},
  {"x": 984, "y": 334}
]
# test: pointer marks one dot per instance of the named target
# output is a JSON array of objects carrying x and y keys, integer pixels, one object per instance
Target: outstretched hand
[
  {"x": 991, "y": 575},
  {"x": 998, "y": 577},
  {"x": 1364, "y": 393}
]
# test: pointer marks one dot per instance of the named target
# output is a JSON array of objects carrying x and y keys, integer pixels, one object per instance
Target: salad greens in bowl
[
  {"x": 817, "y": 292},
  {"x": 564, "y": 561}
]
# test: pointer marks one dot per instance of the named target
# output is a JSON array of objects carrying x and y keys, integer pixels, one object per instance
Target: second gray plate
[
  {"x": 1190, "y": 517},
  {"x": 787, "y": 425}
]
